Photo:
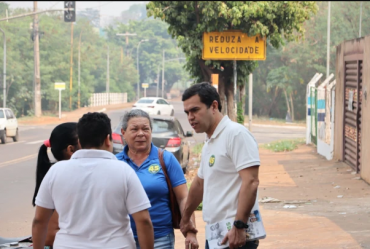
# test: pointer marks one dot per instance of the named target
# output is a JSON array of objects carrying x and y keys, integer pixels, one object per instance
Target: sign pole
[
  {"x": 250, "y": 101},
  {"x": 145, "y": 92},
  {"x": 60, "y": 103},
  {"x": 235, "y": 77}
]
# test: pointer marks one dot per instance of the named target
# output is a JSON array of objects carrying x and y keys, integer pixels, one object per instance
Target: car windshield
[
  {"x": 1, "y": 114},
  {"x": 145, "y": 101},
  {"x": 160, "y": 126}
]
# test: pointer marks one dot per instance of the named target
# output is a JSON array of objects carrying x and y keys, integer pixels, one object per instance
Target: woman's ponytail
[{"x": 43, "y": 166}]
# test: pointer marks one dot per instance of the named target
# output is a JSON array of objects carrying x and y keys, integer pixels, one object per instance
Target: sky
[{"x": 107, "y": 8}]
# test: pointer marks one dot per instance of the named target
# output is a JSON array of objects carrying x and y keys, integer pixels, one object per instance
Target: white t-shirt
[
  {"x": 230, "y": 149},
  {"x": 93, "y": 194}
]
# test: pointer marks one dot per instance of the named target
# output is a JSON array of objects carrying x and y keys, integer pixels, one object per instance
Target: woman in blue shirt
[{"x": 142, "y": 155}]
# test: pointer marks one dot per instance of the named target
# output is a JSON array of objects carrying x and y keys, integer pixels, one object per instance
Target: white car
[
  {"x": 154, "y": 106},
  {"x": 8, "y": 125}
]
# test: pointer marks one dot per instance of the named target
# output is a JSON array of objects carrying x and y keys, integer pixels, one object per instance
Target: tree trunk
[
  {"x": 230, "y": 101},
  {"x": 221, "y": 92},
  {"x": 273, "y": 101},
  {"x": 287, "y": 101},
  {"x": 292, "y": 105}
]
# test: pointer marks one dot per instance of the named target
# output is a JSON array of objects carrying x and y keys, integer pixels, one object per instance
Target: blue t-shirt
[{"x": 154, "y": 182}]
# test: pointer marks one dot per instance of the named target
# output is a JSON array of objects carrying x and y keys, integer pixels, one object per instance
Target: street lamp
[
  {"x": 137, "y": 59},
  {"x": 4, "y": 69}
]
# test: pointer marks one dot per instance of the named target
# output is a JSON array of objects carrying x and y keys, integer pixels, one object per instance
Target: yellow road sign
[
  {"x": 144, "y": 85},
  {"x": 233, "y": 45},
  {"x": 60, "y": 86}
]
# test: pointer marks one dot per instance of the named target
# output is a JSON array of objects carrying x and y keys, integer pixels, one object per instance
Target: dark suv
[{"x": 167, "y": 134}]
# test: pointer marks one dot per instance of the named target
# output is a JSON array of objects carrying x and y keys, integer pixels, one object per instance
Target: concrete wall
[{"x": 365, "y": 129}]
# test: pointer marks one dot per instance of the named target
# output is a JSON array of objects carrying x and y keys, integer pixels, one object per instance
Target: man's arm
[
  {"x": 53, "y": 228},
  {"x": 181, "y": 193},
  {"x": 246, "y": 200},
  {"x": 40, "y": 226},
  {"x": 144, "y": 228},
  {"x": 195, "y": 197}
]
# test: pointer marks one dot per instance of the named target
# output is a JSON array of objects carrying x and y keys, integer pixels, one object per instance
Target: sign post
[
  {"x": 145, "y": 86},
  {"x": 234, "y": 45},
  {"x": 60, "y": 86}
]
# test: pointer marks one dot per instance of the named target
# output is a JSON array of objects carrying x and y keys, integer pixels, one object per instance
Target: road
[{"x": 18, "y": 163}]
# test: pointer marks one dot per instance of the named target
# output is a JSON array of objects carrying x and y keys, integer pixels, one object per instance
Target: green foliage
[
  {"x": 240, "y": 114},
  {"x": 188, "y": 20},
  {"x": 284, "y": 145},
  {"x": 55, "y": 49},
  {"x": 197, "y": 149},
  {"x": 151, "y": 52}
]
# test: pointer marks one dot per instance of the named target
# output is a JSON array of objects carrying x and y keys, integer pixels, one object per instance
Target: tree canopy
[{"x": 188, "y": 20}]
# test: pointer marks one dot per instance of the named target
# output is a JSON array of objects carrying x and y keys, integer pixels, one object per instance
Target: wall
[{"x": 365, "y": 129}]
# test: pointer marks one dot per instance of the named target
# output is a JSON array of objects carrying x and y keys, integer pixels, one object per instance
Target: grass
[
  {"x": 284, "y": 145},
  {"x": 197, "y": 149}
]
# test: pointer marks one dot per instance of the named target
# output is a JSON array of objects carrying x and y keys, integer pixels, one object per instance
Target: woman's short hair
[{"x": 135, "y": 113}]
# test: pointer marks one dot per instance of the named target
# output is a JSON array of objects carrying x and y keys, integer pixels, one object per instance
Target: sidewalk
[
  {"x": 72, "y": 116},
  {"x": 330, "y": 205}
]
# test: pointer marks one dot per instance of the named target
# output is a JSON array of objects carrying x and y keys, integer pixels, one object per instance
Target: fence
[{"x": 99, "y": 99}]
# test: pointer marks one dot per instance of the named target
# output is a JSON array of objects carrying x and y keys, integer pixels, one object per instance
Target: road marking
[
  {"x": 22, "y": 159},
  {"x": 36, "y": 142},
  {"x": 19, "y": 142}
]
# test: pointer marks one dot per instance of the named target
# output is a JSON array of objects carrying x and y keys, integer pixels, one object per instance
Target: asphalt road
[{"x": 18, "y": 163}]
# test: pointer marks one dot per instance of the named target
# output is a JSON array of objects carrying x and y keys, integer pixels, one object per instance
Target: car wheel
[
  {"x": 3, "y": 137},
  {"x": 159, "y": 113},
  {"x": 16, "y": 137},
  {"x": 172, "y": 112}
]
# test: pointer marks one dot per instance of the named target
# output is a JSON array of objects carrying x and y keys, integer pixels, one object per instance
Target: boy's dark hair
[
  {"x": 207, "y": 94},
  {"x": 92, "y": 129}
]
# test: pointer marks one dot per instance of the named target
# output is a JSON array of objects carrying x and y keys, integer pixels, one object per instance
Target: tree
[{"x": 188, "y": 20}]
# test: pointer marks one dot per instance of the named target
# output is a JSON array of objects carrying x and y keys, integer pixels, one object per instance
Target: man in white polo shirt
[
  {"x": 93, "y": 194},
  {"x": 227, "y": 179}
]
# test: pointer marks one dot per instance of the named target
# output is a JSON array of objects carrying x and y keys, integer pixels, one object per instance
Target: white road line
[
  {"x": 22, "y": 159},
  {"x": 36, "y": 142},
  {"x": 12, "y": 143}
]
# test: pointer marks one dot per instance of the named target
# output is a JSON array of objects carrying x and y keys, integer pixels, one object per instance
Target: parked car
[
  {"x": 167, "y": 134},
  {"x": 154, "y": 106},
  {"x": 8, "y": 125}
]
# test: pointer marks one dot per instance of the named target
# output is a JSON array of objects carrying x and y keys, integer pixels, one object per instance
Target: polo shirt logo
[
  {"x": 212, "y": 160},
  {"x": 154, "y": 168}
]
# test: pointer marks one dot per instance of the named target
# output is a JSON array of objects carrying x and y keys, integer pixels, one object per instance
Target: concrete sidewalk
[{"x": 331, "y": 205}]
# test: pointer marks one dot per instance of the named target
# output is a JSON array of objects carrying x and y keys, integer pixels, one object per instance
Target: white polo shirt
[
  {"x": 230, "y": 149},
  {"x": 93, "y": 194}
]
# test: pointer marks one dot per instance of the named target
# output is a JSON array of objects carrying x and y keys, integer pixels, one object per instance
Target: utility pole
[
  {"x": 107, "y": 86},
  {"x": 360, "y": 20},
  {"x": 235, "y": 86},
  {"x": 126, "y": 35},
  {"x": 79, "y": 72},
  {"x": 328, "y": 44},
  {"x": 36, "y": 63},
  {"x": 71, "y": 70},
  {"x": 4, "y": 70},
  {"x": 163, "y": 74},
  {"x": 158, "y": 80}
]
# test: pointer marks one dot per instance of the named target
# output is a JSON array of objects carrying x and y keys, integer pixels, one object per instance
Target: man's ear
[
  {"x": 122, "y": 131},
  {"x": 107, "y": 141},
  {"x": 214, "y": 105}
]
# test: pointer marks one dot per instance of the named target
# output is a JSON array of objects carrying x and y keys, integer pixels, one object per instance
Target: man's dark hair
[
  {"x": 207, "y": 94},
  {"x": 92, "y": 129}
]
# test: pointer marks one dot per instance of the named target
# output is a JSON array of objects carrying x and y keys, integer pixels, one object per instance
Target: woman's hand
[{"x": 191, "y": 241}]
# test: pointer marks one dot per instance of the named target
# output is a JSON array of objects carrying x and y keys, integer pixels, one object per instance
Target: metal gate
[{"x": 352, "y": 111}]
